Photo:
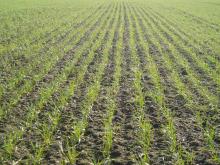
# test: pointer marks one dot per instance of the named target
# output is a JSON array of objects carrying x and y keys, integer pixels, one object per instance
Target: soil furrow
[
  {"x": 91, "y": 145},
  {"x": 151, "y": 109},
  {"x": 159, "y": 149},
  {"x": 123, "y": 147}
]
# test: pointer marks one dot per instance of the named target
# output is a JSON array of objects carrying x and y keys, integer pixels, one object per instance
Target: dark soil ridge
[
  {"x": 123, "y": 147},
  {"x": 91, "y": 145},
  {"x": 151, "y": 109}
]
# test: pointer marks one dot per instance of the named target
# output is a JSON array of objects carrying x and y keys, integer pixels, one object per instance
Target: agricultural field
[{"x": 121, "y": 82}]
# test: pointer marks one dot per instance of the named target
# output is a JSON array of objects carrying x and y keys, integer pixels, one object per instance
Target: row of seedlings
[
  {"x": 145, "y": 133},
  {"x": 112, "y": 91},
  {"x": 124, "y": 121}
]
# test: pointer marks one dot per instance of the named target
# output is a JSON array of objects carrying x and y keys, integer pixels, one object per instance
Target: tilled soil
[{"x": 190, "y": 109}]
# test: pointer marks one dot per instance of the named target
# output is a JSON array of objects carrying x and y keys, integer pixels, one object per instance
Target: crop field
[{"x": 121, "y": 82}]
